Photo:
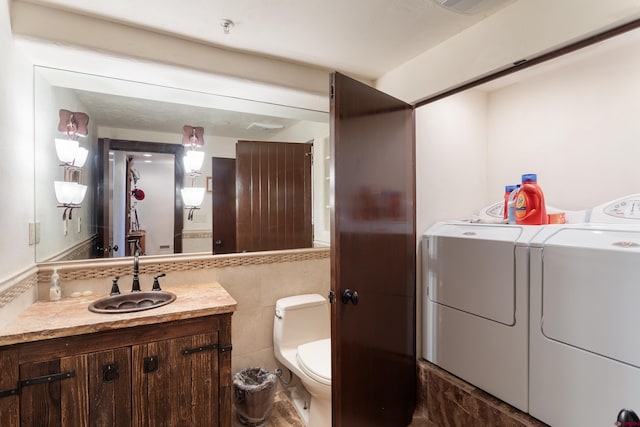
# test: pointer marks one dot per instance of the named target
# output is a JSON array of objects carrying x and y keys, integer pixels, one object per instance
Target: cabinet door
[
  {"x": 109, "y": 388},
  {"x": 97, "y": 391},
  {"x": 54, "y": 392},
  {"x": 175, "y": 382},
  {"x": 9, "y": 404}
]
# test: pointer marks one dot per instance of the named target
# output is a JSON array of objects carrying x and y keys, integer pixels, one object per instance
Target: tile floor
[{"x": 283, "y": 413}]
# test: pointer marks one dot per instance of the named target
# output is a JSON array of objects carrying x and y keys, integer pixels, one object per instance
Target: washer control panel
[{"x": 625, "y": 208}]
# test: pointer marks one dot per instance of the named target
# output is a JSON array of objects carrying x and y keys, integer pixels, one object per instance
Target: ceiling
[
  {"x": 365, "y": 38},
  {"x": 144, "y": 114}
]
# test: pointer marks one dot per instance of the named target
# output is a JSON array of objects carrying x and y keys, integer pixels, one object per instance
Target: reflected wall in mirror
[{"x": 126, "y": 112}]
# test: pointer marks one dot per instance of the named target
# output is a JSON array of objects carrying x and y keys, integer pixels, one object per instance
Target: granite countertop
[{"x": 71, "y": 316}]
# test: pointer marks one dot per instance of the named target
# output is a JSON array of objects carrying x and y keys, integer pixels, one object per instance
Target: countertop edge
[{"x": 41, "y": 330}]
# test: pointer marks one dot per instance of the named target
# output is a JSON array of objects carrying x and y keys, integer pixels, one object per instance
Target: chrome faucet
[{"x": 135, "y": 287}]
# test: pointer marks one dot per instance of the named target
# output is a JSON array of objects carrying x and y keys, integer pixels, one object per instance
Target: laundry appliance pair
[{"x": 542, "y": 317}]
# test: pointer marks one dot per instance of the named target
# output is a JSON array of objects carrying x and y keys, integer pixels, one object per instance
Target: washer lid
[{"x": 314, "y": 358}]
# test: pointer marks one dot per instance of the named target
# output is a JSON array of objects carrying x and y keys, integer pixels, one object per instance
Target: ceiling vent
[
  {"x": 471, "y": 7},
  {"x": 264, "y": 126}
]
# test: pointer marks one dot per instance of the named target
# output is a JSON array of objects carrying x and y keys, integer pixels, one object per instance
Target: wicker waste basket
[{"x": 253, "y": 391}]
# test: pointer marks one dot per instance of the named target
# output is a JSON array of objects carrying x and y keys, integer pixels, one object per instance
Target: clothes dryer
[
  {"x": 585, "y": 298},
  {"x": 475, "y": 305}
]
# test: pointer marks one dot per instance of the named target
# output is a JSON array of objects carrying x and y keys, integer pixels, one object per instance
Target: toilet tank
[{"x": 300, "y": 319}]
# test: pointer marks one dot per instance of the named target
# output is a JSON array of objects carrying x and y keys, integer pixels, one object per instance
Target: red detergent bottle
[{"x": 530, "y": 208}]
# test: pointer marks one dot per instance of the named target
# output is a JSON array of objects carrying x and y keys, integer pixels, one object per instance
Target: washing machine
[
  {"x": 585, "y": 306},
  {"x": 475, "y": 305}
]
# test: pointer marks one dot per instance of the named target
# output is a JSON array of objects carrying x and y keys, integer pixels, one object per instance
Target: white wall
[
  {"x": 523, "y": 30},
  {"x": 577, "y": 127},
  {"x": 155, "y": 212},
  {"x": 52, "y": 228},
  {"x": 16, "y": 152},
  {"x": 573, "y": 121},
  {"x": 451, "y": 158}
]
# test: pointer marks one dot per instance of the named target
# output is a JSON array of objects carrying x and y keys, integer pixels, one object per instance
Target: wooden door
[
  {"x": 104, "y": 220},
  {"x": 175, "y": 382},
  {"x": 224, "y": 205},
  {"x": 373, "y": 254},
  {"x": 273, "y": 181}
]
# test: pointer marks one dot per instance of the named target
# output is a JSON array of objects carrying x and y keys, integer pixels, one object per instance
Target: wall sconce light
[
  {"x": 193, "y": 137},
  {"x": 192, "y": 197},
  {"x": 70, "y": 194},
  {"x": 70, "y": 154},
  {"x": 193, "y": 162}
]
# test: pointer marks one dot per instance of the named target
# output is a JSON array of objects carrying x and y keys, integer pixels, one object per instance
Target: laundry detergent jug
[{"x": 530, "y": 208}]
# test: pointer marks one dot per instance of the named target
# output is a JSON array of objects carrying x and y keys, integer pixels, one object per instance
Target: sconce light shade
[
  {"x": 193, "y": 161},
  {"x": 70, "y": 154},
  {"x": 78, "y": 194},
  {"x": 80, "y": 157},
  {"x": 69, "y": 193},
  {"x": 193, "y": 196},
  {"x": 73, "y": 124},
  {"x": 192, "y": 135},
  {"x": 66, "y": 150}
]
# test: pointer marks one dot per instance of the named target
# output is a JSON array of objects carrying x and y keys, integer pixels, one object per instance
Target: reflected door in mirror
[
  {"x": 273, "y": 196},
  {"x": 224, "y": 205}
]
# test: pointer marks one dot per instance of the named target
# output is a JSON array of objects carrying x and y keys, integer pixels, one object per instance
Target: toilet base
[
  {"x": 320, "y": 413},
  {"x": 312, "y": 412},
  {"x": 300, "y": 399}
]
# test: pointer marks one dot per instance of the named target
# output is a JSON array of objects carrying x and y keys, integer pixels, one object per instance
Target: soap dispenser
[{"x": 55, "y": 291}]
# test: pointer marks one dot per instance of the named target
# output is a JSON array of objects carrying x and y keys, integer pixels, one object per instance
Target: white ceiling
[
  {"x": 364, "y": 38},
  {"x": 145, "y": 114}
]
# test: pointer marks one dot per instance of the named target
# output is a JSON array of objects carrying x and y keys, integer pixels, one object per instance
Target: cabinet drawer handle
[
  {"x": 110, "y": 372},
  {"x": 150, "y": 364},
  {"x": 187, "y": 351}
]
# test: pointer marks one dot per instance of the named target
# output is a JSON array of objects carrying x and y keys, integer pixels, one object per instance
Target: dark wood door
[
  {"x": 372, "y": 253},
  {"x": 175, "y": 382},
  {"x": 104, "y": 243},
  {"x": 273, "y": 181},
  {"x": 224, "y": 205}
]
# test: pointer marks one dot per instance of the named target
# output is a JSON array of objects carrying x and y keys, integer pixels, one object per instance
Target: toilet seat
[{"x": 314, "y": 359}]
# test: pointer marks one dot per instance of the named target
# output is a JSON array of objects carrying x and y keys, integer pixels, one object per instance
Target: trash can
[{"x": 253, "y": 391}]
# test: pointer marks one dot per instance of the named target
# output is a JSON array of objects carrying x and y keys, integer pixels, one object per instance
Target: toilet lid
[{"x": 314, "y": 358}]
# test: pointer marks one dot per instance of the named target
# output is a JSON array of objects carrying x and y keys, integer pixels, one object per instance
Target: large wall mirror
[{"x": 134, "y": 139}]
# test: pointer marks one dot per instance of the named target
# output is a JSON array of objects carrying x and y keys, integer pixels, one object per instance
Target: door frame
[{"x": 107, "y": 144}]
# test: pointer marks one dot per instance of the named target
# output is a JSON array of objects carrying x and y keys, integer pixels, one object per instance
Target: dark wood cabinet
[{"x": 166, "y": 374}]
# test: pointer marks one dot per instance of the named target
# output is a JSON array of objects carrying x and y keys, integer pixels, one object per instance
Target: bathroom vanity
[{"x": 63, "y": 365}]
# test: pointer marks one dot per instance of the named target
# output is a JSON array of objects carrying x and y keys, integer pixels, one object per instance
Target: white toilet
[{"x": 302, "y": 343}]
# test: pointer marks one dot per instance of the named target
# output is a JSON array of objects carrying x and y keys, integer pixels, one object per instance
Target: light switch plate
[{"x": 34, "y": 233}]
